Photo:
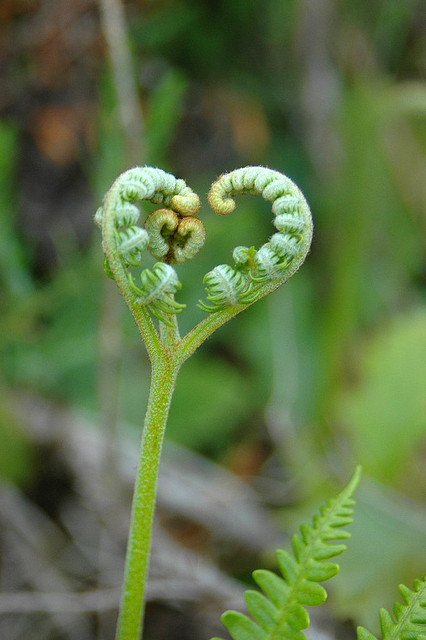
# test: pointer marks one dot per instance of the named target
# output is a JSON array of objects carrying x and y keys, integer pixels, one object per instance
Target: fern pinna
[
  {"x": 409, "y": 620},
  {"x": 282, "y": 614}
]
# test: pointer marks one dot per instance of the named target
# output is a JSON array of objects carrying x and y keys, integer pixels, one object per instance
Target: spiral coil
[
  {"x": 171, "y": 234},
  {"x": 277, "y": 259}
]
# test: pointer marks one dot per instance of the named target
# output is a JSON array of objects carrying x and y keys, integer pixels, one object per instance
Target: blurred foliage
[
  {"x": 331, "y": 369},
  {"x": 386, "y": 412},
  {"x": 16, "y": 455},
  {"x": 13, "y": 273},
  {"x": 388, "y": 547}
]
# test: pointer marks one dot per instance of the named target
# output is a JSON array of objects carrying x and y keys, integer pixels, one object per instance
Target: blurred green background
[{"x": 328, "y": 372}]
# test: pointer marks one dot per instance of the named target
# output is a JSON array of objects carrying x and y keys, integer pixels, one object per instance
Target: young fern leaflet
[
  {"x": 409, "y": 620},
  {"x": 281, "y": 614}
]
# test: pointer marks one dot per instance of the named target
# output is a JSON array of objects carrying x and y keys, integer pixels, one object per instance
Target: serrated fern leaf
[
  {"x": 408, "y": 621},
  {"x": 280, "y": 614}
]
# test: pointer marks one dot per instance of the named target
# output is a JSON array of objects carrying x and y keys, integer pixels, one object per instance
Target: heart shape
[{"x": 174, "y": 234}]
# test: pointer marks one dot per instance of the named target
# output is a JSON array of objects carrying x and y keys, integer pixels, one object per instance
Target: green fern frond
[
  {"x": 409, "y": 619},
  {"x": 282, "y": 615}
]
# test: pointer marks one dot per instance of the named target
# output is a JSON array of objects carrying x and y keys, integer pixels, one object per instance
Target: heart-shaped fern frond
[
  {"x": 281, "y": 614},
  {"x": 409, "y": 619}
]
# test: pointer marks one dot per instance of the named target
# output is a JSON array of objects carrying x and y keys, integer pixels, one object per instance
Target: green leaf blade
[
  {"x": 274, "y": 587},
  {"x": 288, "y": 566},
  {"x": 298, "y": 617},
  {"x": 241, "y": 627},
  {"x": 280, "y": 614},
  {"x": 321, "y": 571},
  {"x": 262, "y": 609},
  {"x": 310, "y": 593},
  {"x": 363, "y": 634}
]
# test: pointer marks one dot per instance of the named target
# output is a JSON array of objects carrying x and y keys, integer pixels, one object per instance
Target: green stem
[
  {"x": 163, "y": 378},
  {"x": 167, "y": 352}
]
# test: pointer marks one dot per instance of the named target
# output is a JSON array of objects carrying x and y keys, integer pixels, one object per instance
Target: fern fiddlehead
[
  {"x": 227, "y": 287},
  {"x": 409, "y": 619},
  {"x": 276, "y": 260},
  {"x": 281, "y": 614},
  {"x": 173, "y": 238},
  {"x": 160, "y": 226},
  {"x": 190, "y": 236},
  {"x": 173, "y": 234},
  {"x": 156, "y": 289}
]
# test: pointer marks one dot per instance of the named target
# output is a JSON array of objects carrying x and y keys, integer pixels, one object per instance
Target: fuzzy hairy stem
[{"x": 130, "y": 620}]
